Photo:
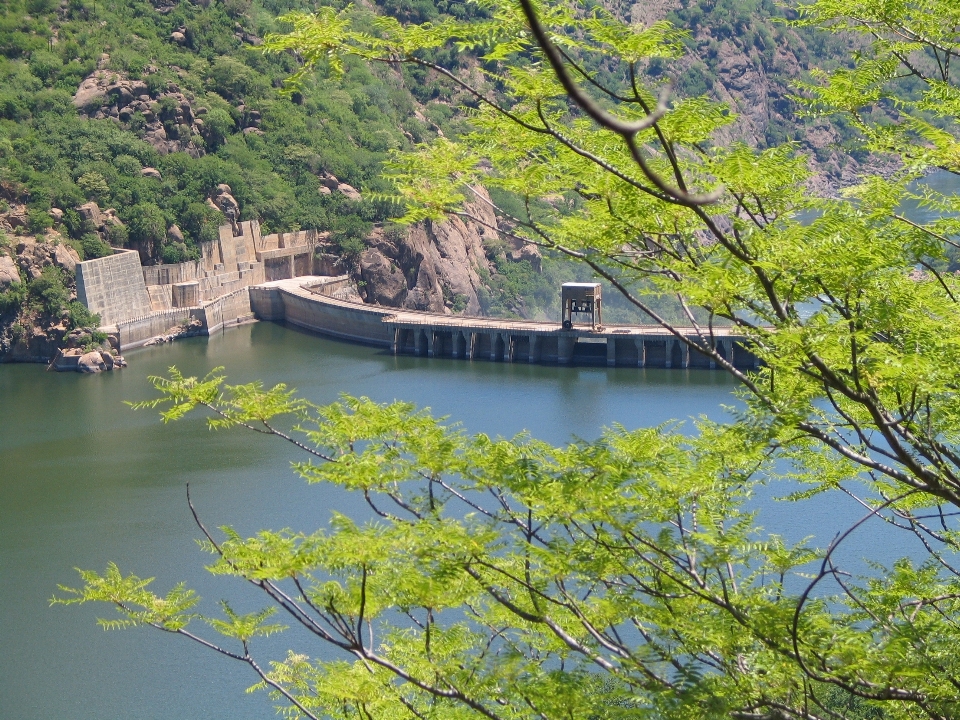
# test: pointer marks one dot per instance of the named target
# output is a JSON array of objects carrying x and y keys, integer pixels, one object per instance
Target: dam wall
[
  {"x": 136, "y": 332},
  {"x": 113, "y": 287},
  {"x": 227, "y": 311},
  {"x": 244, "y": 276},
  {"x": 308, "y": 302},
  {"x": 312, "y": 303}
]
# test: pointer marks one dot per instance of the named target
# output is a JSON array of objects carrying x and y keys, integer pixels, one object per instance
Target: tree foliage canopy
[{"x": 625, "y": 577}]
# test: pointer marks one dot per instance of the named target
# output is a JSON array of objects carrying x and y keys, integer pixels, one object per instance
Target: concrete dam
[
  {"x": 244, "y": 276},
  {"x": 312, "y": 303}
]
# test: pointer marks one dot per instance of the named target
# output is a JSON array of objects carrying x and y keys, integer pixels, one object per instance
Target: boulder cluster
[
  {"x": 82, "y": 353},
  {"x": 108, "y": 94},
  {"x": 329, "y": 184},
  {"x": 224, "y": 201},
  {"x": 29, "y": 336}
]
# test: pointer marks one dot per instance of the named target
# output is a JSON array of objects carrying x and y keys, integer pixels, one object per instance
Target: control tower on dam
[{"x": 313, "y": 303}]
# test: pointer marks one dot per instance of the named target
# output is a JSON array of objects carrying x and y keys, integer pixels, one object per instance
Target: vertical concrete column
[
  {"x": 684, "y": 354},
  {"x": 455, "y": 344},
  {"x": 493, "y": 345},
  {"x": 641, "y": 352},
  {"x": 431, "y": 339},
  {"x": 668, "y": 360},
  {"x": 471, "y": 339},
  {"x": 395, "y": 347},
  {"x": 509, "y": 347},
  {"x": 565, "y": 345},
  {"x": 291, "y": 270},
  {"x": 611, "y": 351},
  {"x": 534, "y": 354}
]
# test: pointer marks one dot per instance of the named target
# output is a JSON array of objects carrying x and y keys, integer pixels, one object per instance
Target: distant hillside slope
[{"x": 742, "y": 53}]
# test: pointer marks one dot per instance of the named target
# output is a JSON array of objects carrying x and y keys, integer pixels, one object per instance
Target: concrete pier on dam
[{"x": 313, "y": 303}]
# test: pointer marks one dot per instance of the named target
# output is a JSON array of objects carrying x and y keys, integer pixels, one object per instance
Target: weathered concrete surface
[
  {"x": 316, "y": 309},
  {"x": 113, "y": 287}
]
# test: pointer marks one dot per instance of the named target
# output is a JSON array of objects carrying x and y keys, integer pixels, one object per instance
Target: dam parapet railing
[{"x": 312, "y": 303}]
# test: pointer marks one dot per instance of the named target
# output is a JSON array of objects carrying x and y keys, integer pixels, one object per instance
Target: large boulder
[
  {"x": 107, "y": 360},
  {"x": 384, "y": 281},
  {"x": 91, "y": 362},
  {"x": 8, "y": 272},
  {"x": 349, "y": 191},
  {"x": 90, "y": 213},
  {"x": 65, "y": 257}
]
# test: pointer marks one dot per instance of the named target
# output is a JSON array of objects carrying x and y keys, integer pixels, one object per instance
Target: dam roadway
[{"x": 312, "y": 303}]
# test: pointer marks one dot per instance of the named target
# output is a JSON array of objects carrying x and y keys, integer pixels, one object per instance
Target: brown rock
[
  {"x": 56, "y": 214},
  {"x": 90, "y": 212},
  {"x": 91, "y": 362},
  {"x": 175, "y": 234},
  {"x": 348, "y": 190},
  {"x": 65, "y": 257},
  {"x": 329, "y": 181},
  {"x": 8, "y": 272},
  {"x": 178, "y": 37},
  {"x": 225, "y": 202},
  {"x": 33, "y": 259},
  {"x": 151, "y": 173},
  {"x": 385, "y": 283}
]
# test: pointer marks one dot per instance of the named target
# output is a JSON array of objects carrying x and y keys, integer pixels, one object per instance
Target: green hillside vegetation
[
  {"x": 274, "y": 148},
  {"x": 52, "y": 156}
]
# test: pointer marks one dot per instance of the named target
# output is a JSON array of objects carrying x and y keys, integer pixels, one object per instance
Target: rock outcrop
[
  {"x": 28, "y": 334},
  {"x": 33, "y": 257},
  {"x": 437, "y": 266},
  {"x": 8, "y": 272},
  {"x": 170, "y": 121},
  {"x": 753, "y": 72}
]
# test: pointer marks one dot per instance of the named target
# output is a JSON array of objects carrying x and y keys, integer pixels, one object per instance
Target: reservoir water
[{"x": 85, "y": 481}]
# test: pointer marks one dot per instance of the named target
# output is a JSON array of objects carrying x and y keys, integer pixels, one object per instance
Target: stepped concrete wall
[
  {"x": 227, "y": 311},
  {"x": 113, "y": 287}
]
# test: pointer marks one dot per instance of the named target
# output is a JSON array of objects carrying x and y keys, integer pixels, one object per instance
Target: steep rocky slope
[
  {"x": 442, "y": 267},
  {"x": 742, "y": 54}
]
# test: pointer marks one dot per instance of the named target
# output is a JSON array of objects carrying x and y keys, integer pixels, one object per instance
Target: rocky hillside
[
  {"x": 441, "y": 267},
  {"x": 741, "y": 53}
]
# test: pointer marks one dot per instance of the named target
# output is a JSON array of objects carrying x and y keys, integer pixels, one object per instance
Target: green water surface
[{"x": 84, "y": 480}]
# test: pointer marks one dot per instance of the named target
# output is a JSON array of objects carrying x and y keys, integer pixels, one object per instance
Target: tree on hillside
[{"x": 625, "y": 577}]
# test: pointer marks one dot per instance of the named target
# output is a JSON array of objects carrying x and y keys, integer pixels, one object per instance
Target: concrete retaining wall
[
  {"x": 113, "y": 287},
  {"x": 227, "y": 311},
  {"x": 136, "y": 332}
]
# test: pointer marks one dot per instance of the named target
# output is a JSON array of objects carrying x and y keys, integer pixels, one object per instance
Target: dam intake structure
[{"x": 244, "y": 276}]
